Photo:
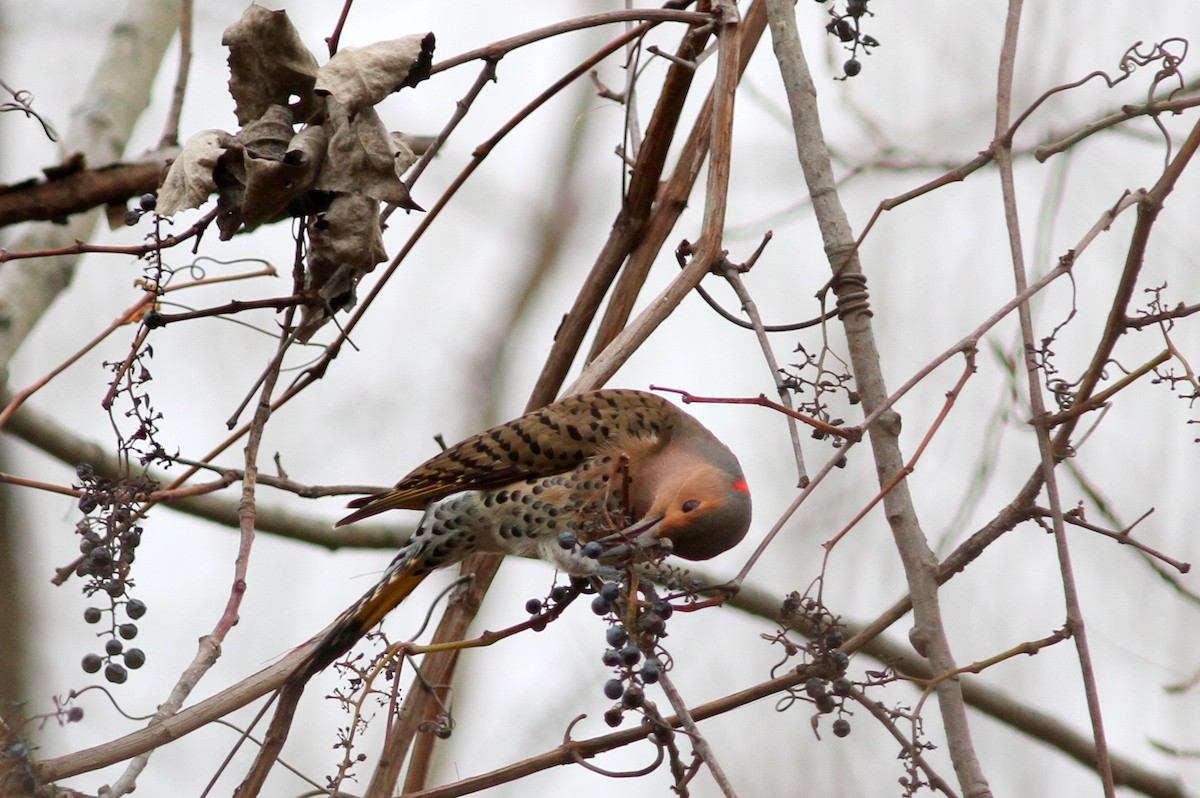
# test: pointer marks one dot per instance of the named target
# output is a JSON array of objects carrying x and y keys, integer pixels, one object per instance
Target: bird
[{"x": 605, "y": 465}]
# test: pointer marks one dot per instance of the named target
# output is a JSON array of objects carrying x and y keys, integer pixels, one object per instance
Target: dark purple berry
[
  {"x": 616, "y": 636},
  {"x": 651, "y": 670},
  {"x": 533, "y": 606},
  {"x": 633, "y": 697},
  {"x": 567, "y": 540},
  {"x": 116, "y": 673},
  {"x": 114, "y": 588},
  {"x": 613, "y": 717},
  {"x": 147, "y": 202},
  {"x": 592, "y": 550},
  {"x": 841, "y": 659},
  {"x": 100, "y": 557},
  {"x": 132, "y": 217},
  {"x": 559, "y": 593},
  {"x": 825, "y": 702},
  {"x": 91, "y": 663},
  {"x": 74, "y": 714},
  {"x": 153, "y": 320},
  {"x": 852, "y": 67},
  {"x": 841, "y": 686},
  {"x": 630, "y": 655},
  {"x": 834, "y": 638},
  {"x": 841, "y": 727},
  {"x": 662, "y": 609},
  {"x": 135, "y": 658},
  {"x": 135, "y": 608},
  {"x": 86, "y": 504},
  {"x": 85, "y": 472},
  {"x": 610, "y": 591},
  {"x": 814, "y": 687},
  {"x": 92, "y": 615},
  {"x": 601, "y": 605},
  {"x": 611, "y": 658},
  {"x": 113, "y": 646},
  {"x": 127, "y": 630},
  {"x": 613, "y": 689},
  {"x": 652, "y": 623}
]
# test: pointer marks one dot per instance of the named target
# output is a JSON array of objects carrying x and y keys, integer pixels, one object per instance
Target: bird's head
[{"x": 695, "y": 495}]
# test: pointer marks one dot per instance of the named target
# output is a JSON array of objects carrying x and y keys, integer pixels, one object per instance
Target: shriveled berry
[
  {"x": 612, "y": 716},
  {"x": 127, "y": 630},
  {"x": 567, "y": 540},
  {"x": 116, "y": 673},
  {"x": 610, "y": 591},
  {"x": 135, "y": 608},
  {"x": 84, "y": 471},
  {"x": 533, "y": 606},
  {"x": 93, "y": 615},
  {"x": 814, "y": 687},
  {"x": 113, "y": 646},
  {"x": 135, "y": 658},
  {"x": 91, "y": 663},
  {"x": 662, "y": 609},
  {"x": 652, "y": 623},
  {"x": 613, "y": 689},
  {"x": 841, "y": 727},
  {"x": 601, "y": 605},
  {"x": 633, "y": 697},
  {"x": 592, "y": 550},
  {"x": 86, "y": 504},
  {"x": 616, "y": 636},
  {"x": 99, "y": 557},
  {"x": 841, "y": 686},
  {"x": 834, "y": 638},
  {"x": 74, "y": 714}
]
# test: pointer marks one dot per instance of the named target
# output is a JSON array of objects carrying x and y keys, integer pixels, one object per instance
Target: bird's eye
[{"x": 690, "y": 504}]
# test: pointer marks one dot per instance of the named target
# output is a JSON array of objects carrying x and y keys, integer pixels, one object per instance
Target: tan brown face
[{"x": 705, "y": 514}]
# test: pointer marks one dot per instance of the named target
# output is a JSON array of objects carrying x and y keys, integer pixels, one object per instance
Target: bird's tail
[{"x": 400, "y": 580}]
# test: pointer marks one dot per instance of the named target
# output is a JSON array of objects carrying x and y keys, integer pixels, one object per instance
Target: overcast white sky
[{"x": 937, "y": 268}]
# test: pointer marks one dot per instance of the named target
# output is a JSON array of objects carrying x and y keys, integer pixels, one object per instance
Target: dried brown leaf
[
  {"x": 268, "y": 65},
  {"x": 345, "y": 243},
  {"x": 363, "y": 159},
  {"x": 360, "y": 77},
  {"x": 190, "y": 178},
  {"x": 269, "y": 135}
]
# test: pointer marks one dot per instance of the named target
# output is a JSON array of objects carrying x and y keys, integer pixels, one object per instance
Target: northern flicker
[{"x": 591, "y": 466}]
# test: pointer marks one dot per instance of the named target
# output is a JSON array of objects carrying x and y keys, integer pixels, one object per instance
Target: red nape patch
[{"x": 742, "y": 486}]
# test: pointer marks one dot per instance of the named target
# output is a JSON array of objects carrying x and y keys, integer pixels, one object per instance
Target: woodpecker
[{"x": 595, "y": 465}]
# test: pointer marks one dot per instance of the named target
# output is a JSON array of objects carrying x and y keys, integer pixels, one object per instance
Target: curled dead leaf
[
  {"x": 359, "y": 77},
  {"x": 190, "y": 179}
]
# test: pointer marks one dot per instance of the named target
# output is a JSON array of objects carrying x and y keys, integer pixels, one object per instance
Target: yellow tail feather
[{"x": 364, "y": 615}]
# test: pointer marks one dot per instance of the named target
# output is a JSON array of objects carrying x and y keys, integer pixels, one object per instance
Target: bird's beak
[{"x": 645, "y": 532}]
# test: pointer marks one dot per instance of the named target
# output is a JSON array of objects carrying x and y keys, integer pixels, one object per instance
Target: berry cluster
[
  {"x": 109, "y": 536},
  {"x": 633, "y": 651},
  {"x": 846, "y": 27},
  {"x": 827, "y": 687}
]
